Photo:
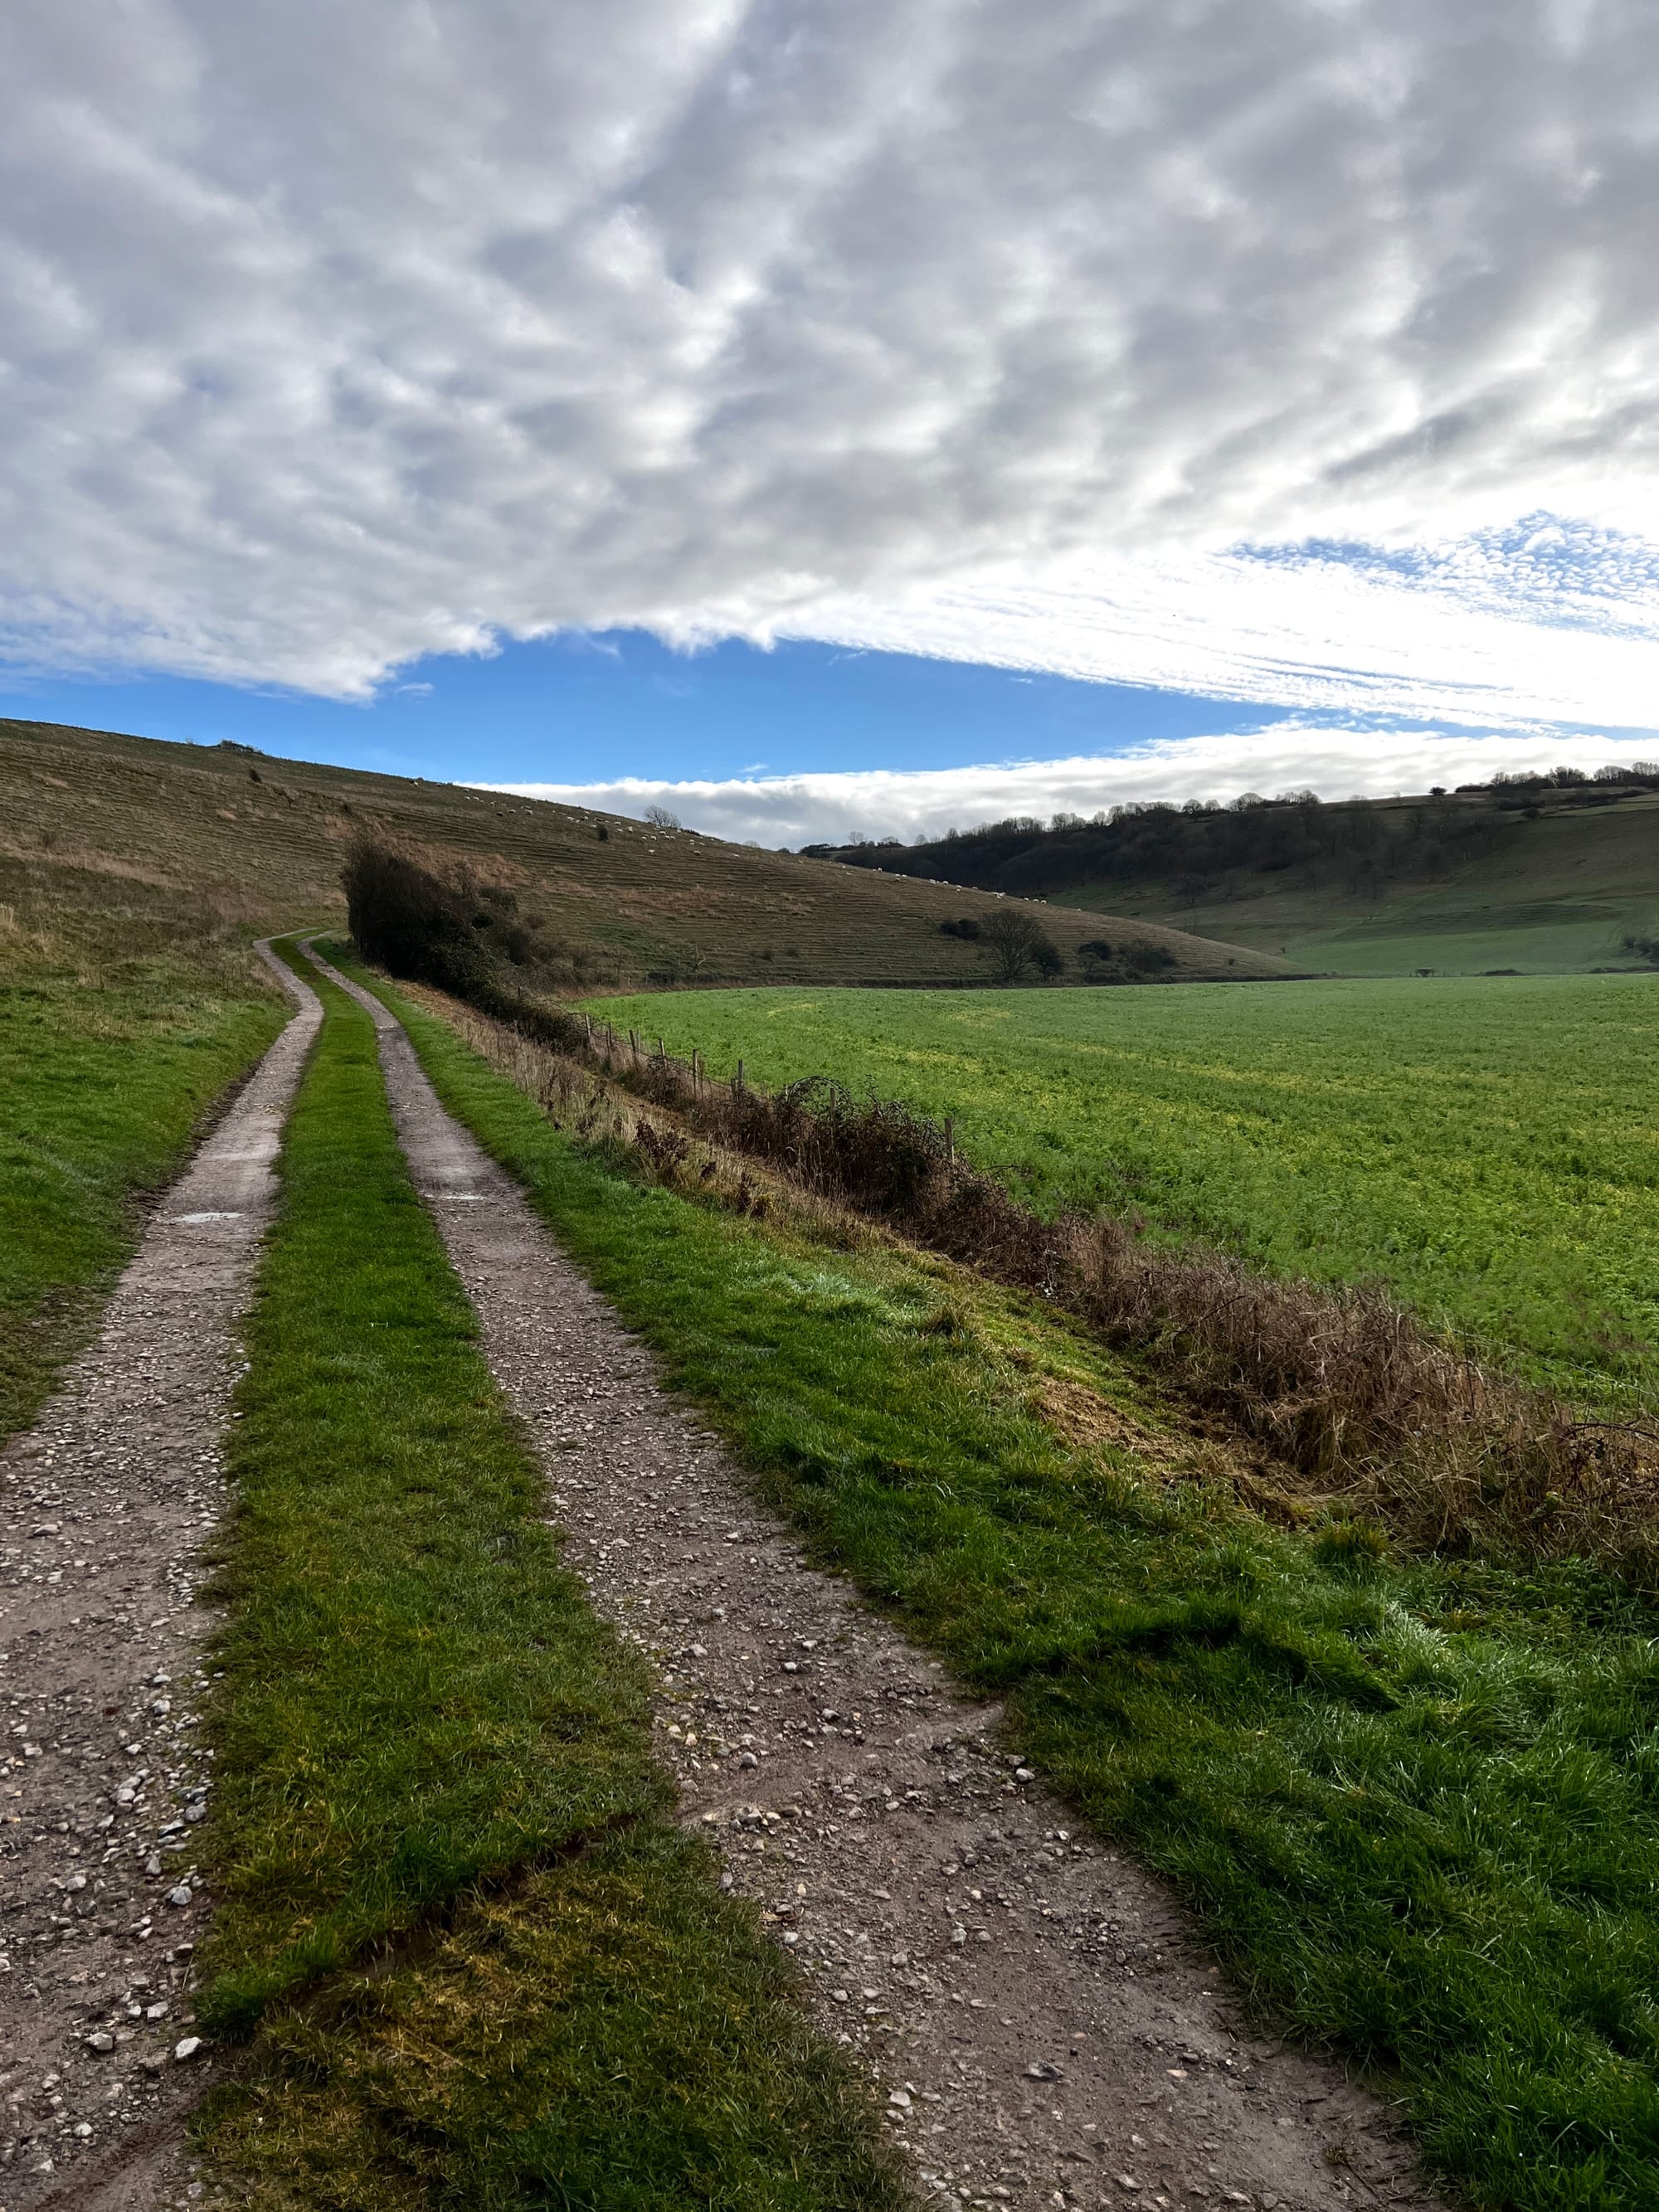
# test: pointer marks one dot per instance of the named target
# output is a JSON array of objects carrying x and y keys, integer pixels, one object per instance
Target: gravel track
[
  {"x": 106, "y": 1505},
  {"x": 1045, "y": 2028}
]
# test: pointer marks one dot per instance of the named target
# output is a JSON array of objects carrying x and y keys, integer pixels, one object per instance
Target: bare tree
[
  {"x": 660, "y": 818},
  {"x": 1016, "y": 940}
]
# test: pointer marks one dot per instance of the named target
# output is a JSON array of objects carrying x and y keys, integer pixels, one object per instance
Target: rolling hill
[
  {"x": 1468, "y": 883},
  {"x": 101, "y": 833}
]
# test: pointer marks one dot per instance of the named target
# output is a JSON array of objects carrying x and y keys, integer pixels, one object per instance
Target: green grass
[
  {"x": 1485, "y": 1148},
  {"x": 480, "y": 1967},
  {"x": 108, "y": 1061},
  {"x": 1555, "y": 895},
  {"x": 1415, "y": 1803}
]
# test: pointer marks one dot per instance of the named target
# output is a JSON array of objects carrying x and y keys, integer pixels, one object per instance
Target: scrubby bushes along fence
[{"x": 1346, "y": 1391}]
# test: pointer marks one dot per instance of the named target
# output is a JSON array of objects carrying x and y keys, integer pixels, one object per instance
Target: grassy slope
[
  {"x": 110, "y": 1053},
  {"x": 89, "y": 817},
  {"x": 1557, "y": 896},
  {"x": 433, "y": 1765},
  {"x": 1484, "y": 1146},
  {"x": 1417, "y": 1804}
]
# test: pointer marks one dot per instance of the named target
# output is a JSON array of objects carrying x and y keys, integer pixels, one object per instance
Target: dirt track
[
  {"x": 1045, "y": 2028},
  {"x": 107, "y": 1505}
]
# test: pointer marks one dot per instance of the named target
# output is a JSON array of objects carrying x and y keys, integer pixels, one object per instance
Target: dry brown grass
[{"x": 96, "y": 818}]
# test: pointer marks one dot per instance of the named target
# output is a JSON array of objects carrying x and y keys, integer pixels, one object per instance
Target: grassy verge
[
  {"x": 107, "y": 1064},
  {"x": 1416, "y": 1803},
  {"x": 477, "y": 1965}
]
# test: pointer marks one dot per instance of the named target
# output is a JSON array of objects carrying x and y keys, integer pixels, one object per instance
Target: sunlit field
[{"x": 1488, "y": 1147}]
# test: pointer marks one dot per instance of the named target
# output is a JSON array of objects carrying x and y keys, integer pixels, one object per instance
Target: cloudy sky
[{"x": 846, "y": 412}]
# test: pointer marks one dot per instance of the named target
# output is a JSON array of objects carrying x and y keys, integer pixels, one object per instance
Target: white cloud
[
  {"x": 331, "y": 336},
  {"x": 1472, "y": 634},
  {"x": 1339, "y": 763}
]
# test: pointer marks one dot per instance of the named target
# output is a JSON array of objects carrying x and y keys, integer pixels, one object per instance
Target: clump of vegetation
[
  {"x": 1644, "y": 948},
  {"x": 966, "y": 926},
  {"x": 452, "y": 930},
  {"x": 1017, "y": 942},
  {"x": 411, "y": 921},
  {"x": 1147, "y": 956},
  {"x": 1346, "y": 1541}
]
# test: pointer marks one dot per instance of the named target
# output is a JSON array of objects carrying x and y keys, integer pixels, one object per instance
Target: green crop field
[{"x": 1487, "y": 1148}]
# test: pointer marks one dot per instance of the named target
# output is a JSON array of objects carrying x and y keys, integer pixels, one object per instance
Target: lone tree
[
  {"x": 660, "y": 818},
  {"x": 1016, "y": 940}
]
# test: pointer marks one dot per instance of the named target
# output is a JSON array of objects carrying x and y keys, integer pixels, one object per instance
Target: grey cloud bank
[{"x": 330, "y": 338}]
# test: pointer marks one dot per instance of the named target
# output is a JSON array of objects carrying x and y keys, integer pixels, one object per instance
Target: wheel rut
[
  {"x": 1044, "y": 2027},
  {"x": 108, "y": 1502}
]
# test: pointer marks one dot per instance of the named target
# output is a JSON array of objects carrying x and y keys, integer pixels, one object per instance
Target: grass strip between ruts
[
  {"x": 1416, "y": 1803},
  {"x": 478, "y": 1966}
]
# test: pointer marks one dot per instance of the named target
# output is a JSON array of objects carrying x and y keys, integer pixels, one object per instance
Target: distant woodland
[{"x": 1358, "y": 846}]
